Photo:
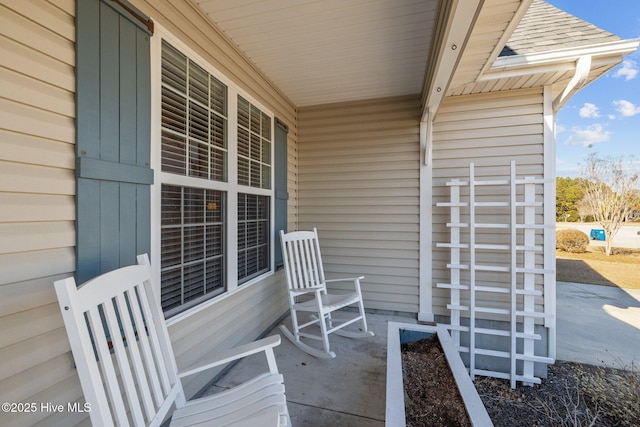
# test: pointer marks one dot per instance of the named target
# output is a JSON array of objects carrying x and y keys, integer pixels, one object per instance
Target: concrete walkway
[{"x": 598, "y": 324}]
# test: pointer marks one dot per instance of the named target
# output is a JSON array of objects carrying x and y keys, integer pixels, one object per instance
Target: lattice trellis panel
[{"x": 467, "y": 246}]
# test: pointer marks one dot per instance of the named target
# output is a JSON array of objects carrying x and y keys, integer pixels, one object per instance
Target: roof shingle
[{"x": 546, "y": 28}]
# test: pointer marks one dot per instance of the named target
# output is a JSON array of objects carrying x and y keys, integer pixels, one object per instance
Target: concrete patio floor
[
  {"x": 596, "y": 324},
  {"x": 349, "y": 390}
]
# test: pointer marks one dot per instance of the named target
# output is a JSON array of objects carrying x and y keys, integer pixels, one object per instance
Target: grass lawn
[{"x": 621, "y": 269}]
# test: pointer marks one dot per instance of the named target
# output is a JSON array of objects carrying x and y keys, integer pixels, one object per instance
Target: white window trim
[{"x": 231, "y": 187}]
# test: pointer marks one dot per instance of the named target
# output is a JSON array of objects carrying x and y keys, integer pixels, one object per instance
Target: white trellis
[{"x": 522, "y": 271}]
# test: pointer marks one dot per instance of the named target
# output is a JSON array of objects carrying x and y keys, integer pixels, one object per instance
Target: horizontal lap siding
[
  {"x": 359, "y": 185},
  {"x": 241, "y": 317},
  {"x": 37, "y": 210},
  {"x": 37, "y": 207},
  {"x": 488, "y": 130}
]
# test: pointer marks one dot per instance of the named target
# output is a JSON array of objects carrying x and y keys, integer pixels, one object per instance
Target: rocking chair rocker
[{"x": 308, "y": 293}]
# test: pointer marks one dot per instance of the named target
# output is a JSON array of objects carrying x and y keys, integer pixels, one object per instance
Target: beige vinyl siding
[
  {"x": 239, "y": 318},
  {"x": 489, "y": 130},
  {"x": 359, "y": 185},
  {"x": 37, "y": 210},
  {"x": 243, "y": 316}
]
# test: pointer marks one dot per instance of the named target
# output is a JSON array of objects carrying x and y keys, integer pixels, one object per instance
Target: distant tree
[
  {"x": 584, "y": 211},
  {"x": 610, "y": 185},
  {"x": 568, "y": 194},
  {"x": 635, "y": 210}
]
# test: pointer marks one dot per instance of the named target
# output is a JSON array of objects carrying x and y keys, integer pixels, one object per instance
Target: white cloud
[
  {"x": 589, "y": 110},
  {"x": 629, "y": 70},
  {"x": 588, "y": 136},
  {"x": 611, "y": 116},
  {"x": 626, "y": 108}
]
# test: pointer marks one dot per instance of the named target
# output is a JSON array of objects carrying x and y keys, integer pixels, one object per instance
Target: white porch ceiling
[{"x": 324, "y": 51}]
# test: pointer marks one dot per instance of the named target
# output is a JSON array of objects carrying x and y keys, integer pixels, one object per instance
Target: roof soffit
[{"x": 325, "y": 51}]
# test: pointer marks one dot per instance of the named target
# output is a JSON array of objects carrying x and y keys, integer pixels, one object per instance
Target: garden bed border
[{"x": 395, "y": 413}]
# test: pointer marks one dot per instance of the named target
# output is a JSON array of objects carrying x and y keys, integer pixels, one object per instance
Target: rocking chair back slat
[
  {"x": 151, "y": 354},
  {"x": 100, "y": 340},
  {"x": 305, "y": 263},
  {"x": 316, "y": 264},
  {"x": 124, "y": 365},
  {"x": 297, "y": 265},
  {"x": 137, "y": 361}
]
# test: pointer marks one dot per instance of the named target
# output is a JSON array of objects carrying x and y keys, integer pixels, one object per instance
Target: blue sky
[{"x": 604, "y": 117}]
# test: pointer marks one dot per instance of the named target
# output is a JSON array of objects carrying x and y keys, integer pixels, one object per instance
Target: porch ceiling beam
[{"x": 455, "y": 22}]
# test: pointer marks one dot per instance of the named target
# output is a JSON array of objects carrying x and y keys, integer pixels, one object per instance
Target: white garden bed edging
[{"x": 395, "y": 416}]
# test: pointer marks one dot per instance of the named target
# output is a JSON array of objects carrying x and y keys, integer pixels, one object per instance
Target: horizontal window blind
[
  {"x": 194, "y": 118},
  {"x": 254, "y": 146},
  {"x": 192, "y": 245},
  {"x": 253, "y": 235}
]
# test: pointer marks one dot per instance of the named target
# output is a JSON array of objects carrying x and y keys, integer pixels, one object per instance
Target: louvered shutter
[
  {"x": 113, "y": 136},
  {"x": 281, "y": 193}
]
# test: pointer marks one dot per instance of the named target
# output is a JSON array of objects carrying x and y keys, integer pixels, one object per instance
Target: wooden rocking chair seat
[
  {"x": 330, "y": 302},
  {"x": 127, "y": 368}
]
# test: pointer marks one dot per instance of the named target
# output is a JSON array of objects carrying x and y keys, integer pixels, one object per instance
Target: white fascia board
[
  {"x": 456, "y": 33},
  {"x": 509, "y": 66}
]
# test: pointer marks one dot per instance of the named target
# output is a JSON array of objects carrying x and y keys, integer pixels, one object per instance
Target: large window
[{"x": 200, "y": 202}]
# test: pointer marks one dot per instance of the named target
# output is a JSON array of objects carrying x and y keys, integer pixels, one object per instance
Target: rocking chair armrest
[
  {"x": 265, "y": 344},
  {"x": 345, "y": 279}
]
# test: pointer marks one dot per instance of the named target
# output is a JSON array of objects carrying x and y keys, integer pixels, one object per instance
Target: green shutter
[
  {"x": 280, "y": 177},
  {"x": 113, "y": 136}
]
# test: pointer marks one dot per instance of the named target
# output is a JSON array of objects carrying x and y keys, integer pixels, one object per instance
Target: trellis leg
[
  {"x": 528, "y": 291},
  {"x": 455, "y": 266},
  {"x": 455, "y": 260},
  {"x": 472, "y": 272},
  {"x": 529, "y": 279},
  {"x": 513, "y": 285}
]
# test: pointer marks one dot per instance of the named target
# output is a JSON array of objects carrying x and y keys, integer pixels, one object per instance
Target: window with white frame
[{"x": 199, "y": 201}]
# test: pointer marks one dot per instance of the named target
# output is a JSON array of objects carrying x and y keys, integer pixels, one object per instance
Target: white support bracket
[{"x": 583, "y": 67}]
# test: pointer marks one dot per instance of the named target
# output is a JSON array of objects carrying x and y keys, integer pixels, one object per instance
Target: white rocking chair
[
  {"x": 127, "y": 368},
  {"x": 305, "y": 278}
]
